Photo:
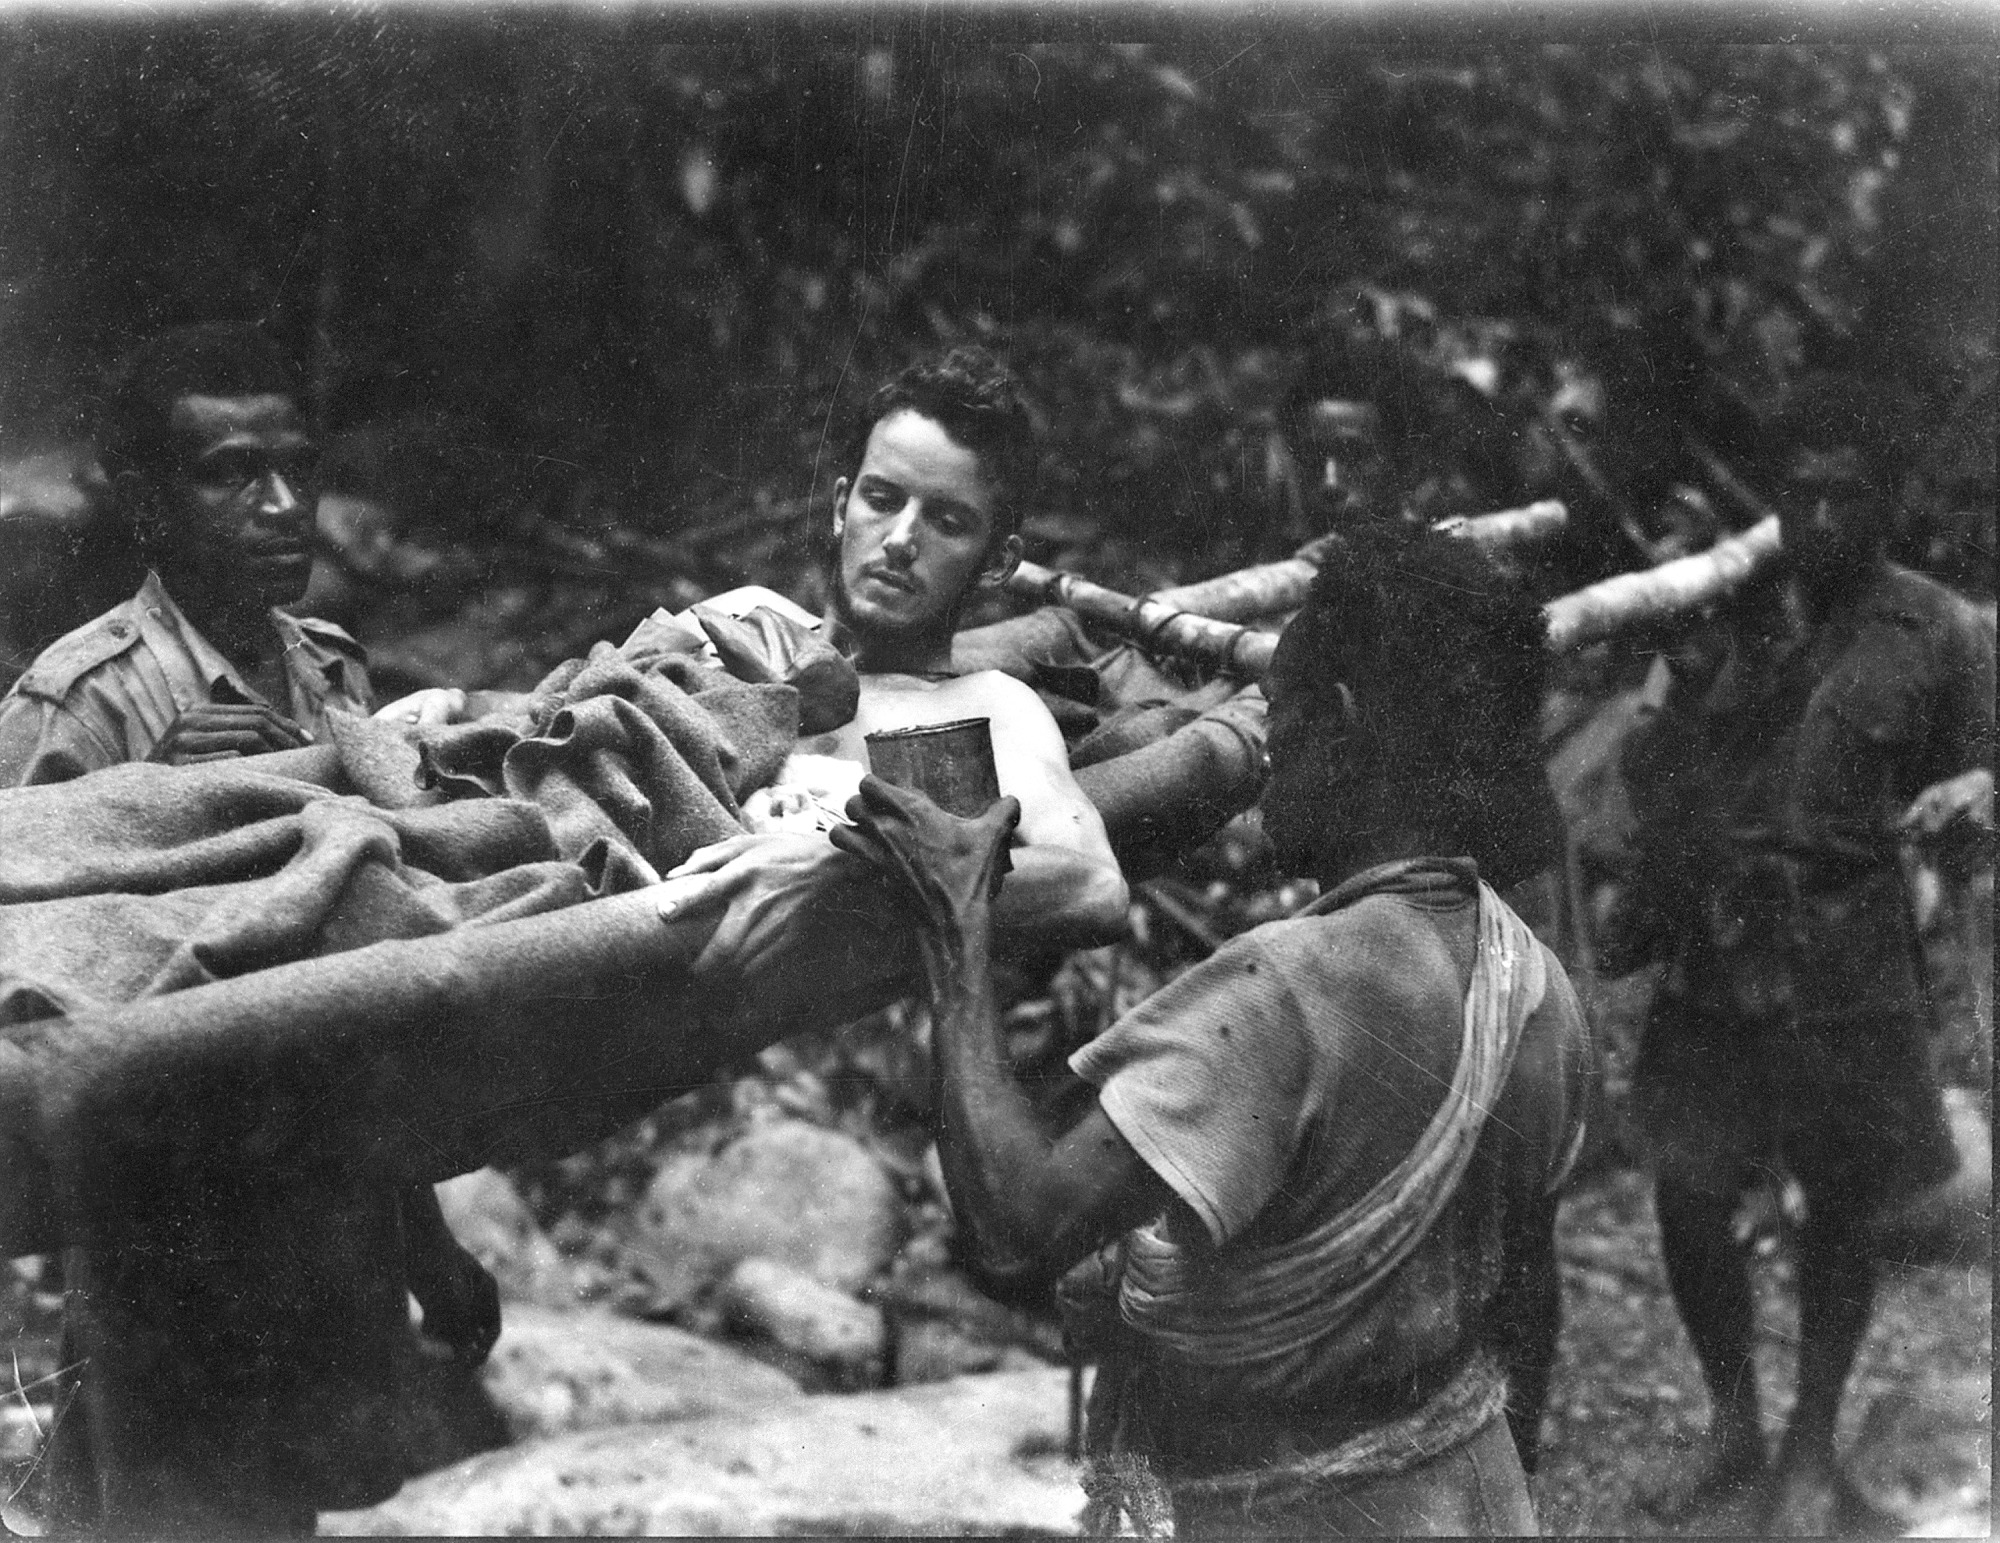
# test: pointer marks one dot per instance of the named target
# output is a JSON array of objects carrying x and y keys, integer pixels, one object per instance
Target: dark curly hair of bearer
[{"x": 1422, "y": 669}]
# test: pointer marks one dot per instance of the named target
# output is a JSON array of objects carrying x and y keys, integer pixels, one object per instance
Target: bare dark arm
[
  {"x": 461, "y": 1302},
  {"x": 1033, "y": 1200},
  {"x": 1529, "y": 1314}
]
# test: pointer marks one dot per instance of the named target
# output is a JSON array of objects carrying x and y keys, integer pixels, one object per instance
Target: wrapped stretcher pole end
[{"x": 415, "y": 1060}]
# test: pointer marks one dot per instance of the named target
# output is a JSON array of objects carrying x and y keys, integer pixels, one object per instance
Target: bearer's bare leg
[{"x": 1709, "y": 1276}]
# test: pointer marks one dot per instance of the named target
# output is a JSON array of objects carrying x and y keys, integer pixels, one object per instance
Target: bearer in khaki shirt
[
  {"x": 133, "y": 685},
  {"x": 215, "y": 477}
]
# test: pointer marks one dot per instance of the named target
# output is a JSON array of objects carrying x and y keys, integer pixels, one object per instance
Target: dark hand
[
  {"x": 946, "y": 866},
  {"x": 215, "y": 731},
  {"x": 461, "y": 1301}
]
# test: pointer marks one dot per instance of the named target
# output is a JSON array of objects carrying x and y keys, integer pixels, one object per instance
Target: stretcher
[{"x": 541, "y": 1034}]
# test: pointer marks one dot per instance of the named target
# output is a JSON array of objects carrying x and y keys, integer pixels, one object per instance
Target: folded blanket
[{"x": 242, "y": 1003}]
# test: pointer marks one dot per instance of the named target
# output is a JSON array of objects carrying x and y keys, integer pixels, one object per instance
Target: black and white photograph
[{"x": 1104, "y": 770}]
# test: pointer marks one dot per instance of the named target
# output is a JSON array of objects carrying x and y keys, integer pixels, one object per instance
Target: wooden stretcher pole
[
  {"x": 1148, "y": 620},
  {"x": 1593, "y": 613},
  {"x": 1269, "y": 589},
  {"x": 1196, "y": 621},
  {"x": 1654, "y": 594}
]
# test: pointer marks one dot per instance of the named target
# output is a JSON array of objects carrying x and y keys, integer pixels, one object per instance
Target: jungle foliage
[{"x": 625, "y": 272}]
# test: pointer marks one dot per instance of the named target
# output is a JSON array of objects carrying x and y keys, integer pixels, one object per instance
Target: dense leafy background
[{"x": 627, "y": 272}]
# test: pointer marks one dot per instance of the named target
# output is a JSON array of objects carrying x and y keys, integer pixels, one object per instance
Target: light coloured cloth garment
[
  {"x": 1309, "y": 1095},
  {"x": 1267, "y": 1306},
  {"x": 106, "y": 693}
]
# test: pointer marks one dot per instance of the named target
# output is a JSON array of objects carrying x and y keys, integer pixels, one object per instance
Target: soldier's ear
[
  {"x": 840, "y": 491},
  {"x": 1006, "y": 558}
]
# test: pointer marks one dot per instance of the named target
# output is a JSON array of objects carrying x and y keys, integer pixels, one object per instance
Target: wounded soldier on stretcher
[{"x": 926, "y": 518}]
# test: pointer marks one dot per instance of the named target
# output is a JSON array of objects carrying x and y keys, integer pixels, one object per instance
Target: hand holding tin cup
[{"x": 951, "y": 764}]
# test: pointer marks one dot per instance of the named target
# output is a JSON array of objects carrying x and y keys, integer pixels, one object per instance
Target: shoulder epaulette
[{"x": 63, "y": 663}]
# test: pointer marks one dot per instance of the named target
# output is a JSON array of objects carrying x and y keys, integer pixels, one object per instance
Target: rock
[
  {"x": 1924, "y": 1453},
  {"x": 978, "y": 1455},
  {"x": 796, "y": 1312},
  {"x": 806, "y": 1197},
  {"x": 450, "y": 1415},
  {"x": 487, "y": 1216},
  {"x": 554, "y": 1372},
  {"x": 1952, "y": 1221},
  {"x": 932, "y": 1351}
]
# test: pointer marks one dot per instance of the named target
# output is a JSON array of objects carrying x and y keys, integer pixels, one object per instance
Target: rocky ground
[
  {"x": 620, "y": 1425},
  {"x": 744, "y": 1317}
]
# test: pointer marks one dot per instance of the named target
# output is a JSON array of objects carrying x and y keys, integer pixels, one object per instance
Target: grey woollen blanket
[
  {"x": 241, "y": 1002},
  {"x": 140, "y": 880}
]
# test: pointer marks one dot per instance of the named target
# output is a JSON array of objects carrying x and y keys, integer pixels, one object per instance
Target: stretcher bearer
[
  {"x": 213, "y": 471},
  {"x": 1327, "y": 1157},
  {"x": 1850, "y": 711},
  {"x": 214, "y": 476}
]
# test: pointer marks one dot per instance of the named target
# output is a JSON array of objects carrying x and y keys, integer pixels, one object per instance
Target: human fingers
[
  {"x": 881, "y": 798},
  {"x": 864, "y": 841},
  {"x": 713, "y": 856},
  {"x": 280, "y": 732},
  {"x": 405, "y": 708},
  {"x": 692, "y": 894},
  {"x": 426, "y": 708},
  {"x": 1004, "y": 817},
  {"x": 1926, "y": 816}
]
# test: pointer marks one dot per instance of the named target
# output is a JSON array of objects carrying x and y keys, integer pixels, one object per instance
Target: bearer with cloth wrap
[{"x": 1328, "y": 1154}]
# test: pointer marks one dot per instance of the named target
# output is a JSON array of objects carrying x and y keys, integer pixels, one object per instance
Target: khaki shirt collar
[{"x": 171, "y": 635}]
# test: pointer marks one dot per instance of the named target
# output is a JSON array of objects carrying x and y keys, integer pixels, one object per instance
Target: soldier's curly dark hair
[
  {"x": 1447, "y": 662},
  {"x": 208, "y": 359},
  {"x": 980, "y": 403}
]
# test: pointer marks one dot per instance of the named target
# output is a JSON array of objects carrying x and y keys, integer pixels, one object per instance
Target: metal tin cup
[{"x": 951, "y": 764}]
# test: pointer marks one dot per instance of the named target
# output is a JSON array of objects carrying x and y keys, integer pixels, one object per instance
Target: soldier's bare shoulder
[{"x": 912, "y": 701}]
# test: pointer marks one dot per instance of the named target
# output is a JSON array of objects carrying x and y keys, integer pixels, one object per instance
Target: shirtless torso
[
  {"x": 1029, "y": 757},
  {"x": 1065, "y": 887}
]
